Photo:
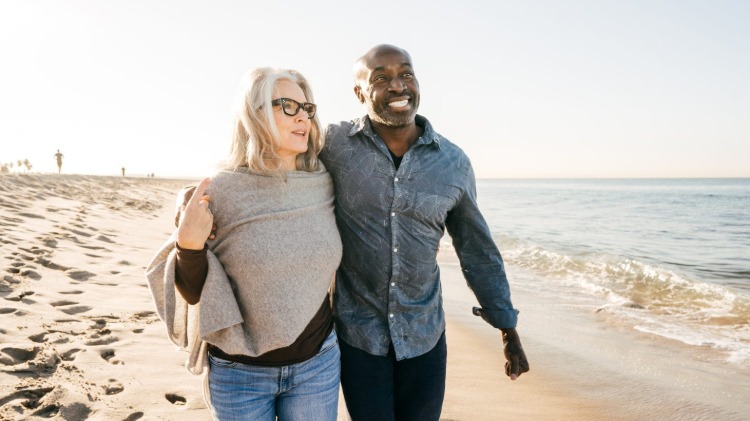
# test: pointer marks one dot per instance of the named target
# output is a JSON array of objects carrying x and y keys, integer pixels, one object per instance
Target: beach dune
[{"x": 79, "y": 337}]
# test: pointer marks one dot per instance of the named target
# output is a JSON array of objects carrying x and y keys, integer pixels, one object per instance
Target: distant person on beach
[
  {"x": 251, "y": 303},
  {"x": 123, "y": 171},
  {"x": 399, "y": 185},
  {"x": 58, "y": 156}
]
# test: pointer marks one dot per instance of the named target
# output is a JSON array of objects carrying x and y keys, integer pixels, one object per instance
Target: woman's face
[{"x": 293, "y": 130}]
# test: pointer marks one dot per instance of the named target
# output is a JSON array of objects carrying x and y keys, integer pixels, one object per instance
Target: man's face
[{"x": 389, "y": 88}]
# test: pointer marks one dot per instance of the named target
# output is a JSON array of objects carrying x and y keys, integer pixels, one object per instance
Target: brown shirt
[{"x": 190, "y": 276}]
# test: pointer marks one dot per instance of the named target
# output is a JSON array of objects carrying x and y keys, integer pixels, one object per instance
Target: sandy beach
[{"x": 79, "y": 337}]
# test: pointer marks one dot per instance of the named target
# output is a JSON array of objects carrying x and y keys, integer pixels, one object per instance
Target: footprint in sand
[
  {"x": 38, "y": 338},
  {"x": 93, "y": 247},
  {"x": 61, "y": 339},
  {"x": 70, "y": 354},
  {"x": 134, "y": 416},
  {"x": 66, "y": 320},
  {"x": 26, "y": 257},
  {"x": 114, "y": 387},
  {"x": 14, "y": 356},
  {"x": 75, "y": 310},
  {"x": 12, "y": 221},
  {"x": 49, "y": 264},
  {"x": 73, "y": 292},
  {"x": 31, "y": 397},
  {"x": 99, "y": 323},
  {"x": 97, "y": 339},
  {"x": 105, "y": 239},
  {"x": 49, "y": 411},
  {"x": 21, "y": 296},
  {"x": 8, "y": 310},
  {"x": 49, "y": 241},
  {"x": 109, "y": 356},
  {"x": 175, "y": 399},
  {"x": 34, "y": 250},
  {"x": 30, "y": 215},
  {"x": 81, "y": 233},
  {"x": 31, "y": 274},
  {"x": 72, "y": 238},
  {"x": 106, "y": 284},
  {"x": 79, "y": 275},
  {"x": 23, "y": 269},
  {"x": 62, "y": 303},
  {"x": 11, "y": 280}
]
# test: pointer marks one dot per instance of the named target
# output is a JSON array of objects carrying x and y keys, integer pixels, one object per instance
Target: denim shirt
[{"x": 391, "y": 221}]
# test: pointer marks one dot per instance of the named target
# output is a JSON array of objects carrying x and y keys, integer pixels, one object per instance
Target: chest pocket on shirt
[{"x": 431, "y": 208}]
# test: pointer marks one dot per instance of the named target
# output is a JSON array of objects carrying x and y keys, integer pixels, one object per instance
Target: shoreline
[{"x": 605, "y": 369}]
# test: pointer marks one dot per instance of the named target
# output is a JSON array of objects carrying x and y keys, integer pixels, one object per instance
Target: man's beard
[{"x": 383, "y": 115}]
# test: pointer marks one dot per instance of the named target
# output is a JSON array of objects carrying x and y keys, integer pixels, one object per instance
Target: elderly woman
[{"x": 251, "y": 303}]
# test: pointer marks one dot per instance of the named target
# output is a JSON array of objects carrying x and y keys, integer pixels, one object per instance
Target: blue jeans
[
  {"x": 304, "y": 391},
  {"x": 382, "y": 389}
]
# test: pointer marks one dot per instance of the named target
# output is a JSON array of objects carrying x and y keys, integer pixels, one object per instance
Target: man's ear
[{"x": 358, "y": 93}]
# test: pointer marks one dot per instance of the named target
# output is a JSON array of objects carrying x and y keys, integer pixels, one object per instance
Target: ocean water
[{"x": 667, "y": 257}]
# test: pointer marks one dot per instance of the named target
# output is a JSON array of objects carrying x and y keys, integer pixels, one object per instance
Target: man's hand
[
  {"x": 195, "y": 219},
  {"x": 516, "y": 359}
]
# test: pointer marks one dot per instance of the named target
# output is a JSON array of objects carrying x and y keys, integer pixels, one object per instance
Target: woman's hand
[{"x": 196, "y": 220}]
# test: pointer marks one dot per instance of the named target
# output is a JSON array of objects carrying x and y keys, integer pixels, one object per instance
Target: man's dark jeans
[{"x": 383, "y": 389}]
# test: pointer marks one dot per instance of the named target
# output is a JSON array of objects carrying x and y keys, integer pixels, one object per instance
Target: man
[
  {"x": 399, "y": 184},
  {"x": 58, "y": 156}
]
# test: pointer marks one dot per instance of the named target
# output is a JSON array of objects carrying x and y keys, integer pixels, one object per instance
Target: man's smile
[{"x": 403, "y": 103}]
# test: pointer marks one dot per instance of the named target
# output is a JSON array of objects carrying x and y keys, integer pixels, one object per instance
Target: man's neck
[{"x": 398, "y": 139}]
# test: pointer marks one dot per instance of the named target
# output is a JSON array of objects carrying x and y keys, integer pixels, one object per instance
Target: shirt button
[
  {"x": 390, "y": 315},
  {"x": 395, "y": 250},
  {"x": 393, "y": 213},
  {"x": 395, "y": 179},
  {"x": 393, "y": 284}
]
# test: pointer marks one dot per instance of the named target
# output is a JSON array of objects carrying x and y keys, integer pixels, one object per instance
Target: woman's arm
[
  {"x": 190, "y": 273},
  {"x": 193, "y": 230}
]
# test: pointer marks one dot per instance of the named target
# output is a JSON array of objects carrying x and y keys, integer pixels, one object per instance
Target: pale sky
[{"x": 527, "y": 88}]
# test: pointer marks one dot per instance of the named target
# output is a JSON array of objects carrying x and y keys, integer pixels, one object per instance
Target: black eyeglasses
[{"x": 291, "y": 107}]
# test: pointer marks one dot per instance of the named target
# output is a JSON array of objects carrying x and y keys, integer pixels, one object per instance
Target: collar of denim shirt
[{"x": 429, "y": 136}]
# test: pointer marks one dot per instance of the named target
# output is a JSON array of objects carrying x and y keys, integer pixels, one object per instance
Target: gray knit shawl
[{"x": 270, "y": 267}]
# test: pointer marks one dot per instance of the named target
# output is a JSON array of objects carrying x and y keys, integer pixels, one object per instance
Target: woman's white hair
[{"x": 255, "y": 137}]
